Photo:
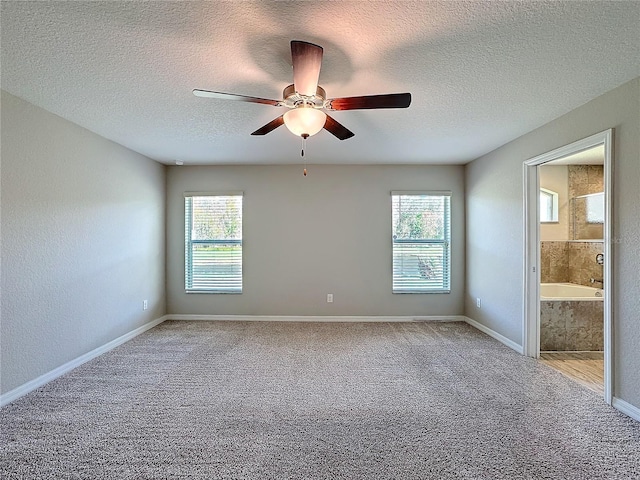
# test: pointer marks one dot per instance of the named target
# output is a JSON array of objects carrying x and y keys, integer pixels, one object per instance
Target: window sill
[
  {"x": 224, "y": 292},
  {"x": 404, "y": 292}
]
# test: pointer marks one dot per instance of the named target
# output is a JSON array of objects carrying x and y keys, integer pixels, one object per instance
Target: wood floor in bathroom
[{"x": 586, "y": 368}]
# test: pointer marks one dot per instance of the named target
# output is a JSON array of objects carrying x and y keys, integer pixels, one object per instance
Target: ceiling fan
[{"x": 306, "y": 100}]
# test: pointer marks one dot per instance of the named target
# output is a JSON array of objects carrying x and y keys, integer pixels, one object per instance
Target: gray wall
[
  {"x": 305, "y": 237},
  {"x": 82, "y": 241},
  {"x": 494, "y": 188}
]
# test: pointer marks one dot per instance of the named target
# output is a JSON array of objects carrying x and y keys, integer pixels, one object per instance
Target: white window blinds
[
  {"x": 213, "y": 243},
  {"x": 421, "y": 229}
]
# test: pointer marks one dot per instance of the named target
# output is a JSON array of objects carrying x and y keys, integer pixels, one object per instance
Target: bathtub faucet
[{"x": 595, "y": 280}]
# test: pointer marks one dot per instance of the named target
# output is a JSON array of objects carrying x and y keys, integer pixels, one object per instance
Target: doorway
[{"x": 599, "y": 207}]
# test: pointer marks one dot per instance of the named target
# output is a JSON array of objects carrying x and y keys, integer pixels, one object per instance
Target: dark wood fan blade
[
  {"x": 337, "y": 129},
  {"x": 272, "y": 125},
  {"x": 233, "y": 96},
  {"x": 307, "y": 60},
  {"x": 391, "y": 100}
]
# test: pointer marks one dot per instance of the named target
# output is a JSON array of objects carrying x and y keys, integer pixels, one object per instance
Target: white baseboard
[
  {"x": 626, "y": 408},
  {"x": 316, "y": 318},
  {"x": 501, "y": 338},
  {"x": 31, "y": 385}
]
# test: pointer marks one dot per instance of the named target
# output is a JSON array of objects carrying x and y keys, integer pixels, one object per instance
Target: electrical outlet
[
  {"x": 478, "y": 302},
  {"x": 329, "y": 297},
  {"x": 145, "y": 304}
]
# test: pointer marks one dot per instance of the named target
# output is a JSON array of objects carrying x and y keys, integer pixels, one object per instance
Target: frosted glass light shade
[{"x": 304, "y": 120}]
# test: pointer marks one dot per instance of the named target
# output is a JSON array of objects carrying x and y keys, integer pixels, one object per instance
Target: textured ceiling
[{"x": 480, "y": 73}]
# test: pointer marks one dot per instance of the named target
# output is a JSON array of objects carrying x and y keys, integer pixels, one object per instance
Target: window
[
  {"x": 595, "y": 207},
  {"x": 213, "y": 243},
  {"x": 421, "y": 225},
  {"x": 548, "y": 206}
]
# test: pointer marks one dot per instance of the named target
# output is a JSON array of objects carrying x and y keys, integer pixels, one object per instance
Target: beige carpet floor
[{"x": 240, "y": 400}]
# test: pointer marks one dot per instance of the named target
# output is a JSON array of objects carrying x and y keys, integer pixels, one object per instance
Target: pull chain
[{"x": 304, "y": 143}]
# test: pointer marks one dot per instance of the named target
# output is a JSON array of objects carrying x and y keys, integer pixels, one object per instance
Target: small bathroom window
[
  {"x": 548, "y": 206},
  {"x": 595, "y": 208}
]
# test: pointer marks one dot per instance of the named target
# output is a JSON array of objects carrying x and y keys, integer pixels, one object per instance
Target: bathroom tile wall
[
  {"x": 571, "y": 326},
  {"x": 554, "y": 258},
  {"x": 570, "y": 262},
  {"x": 582, "y": 263},
  {"x": 583, "y": 180}
]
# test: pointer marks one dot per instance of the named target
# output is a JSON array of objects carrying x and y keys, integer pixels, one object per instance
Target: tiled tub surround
[
  {"x": 570, "y": 262},
  {"x": 572, "y": 325},
  {"x": 554, "y": 262}
]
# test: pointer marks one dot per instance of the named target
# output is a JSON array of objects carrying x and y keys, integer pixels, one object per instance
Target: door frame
[{"x": 531, "y": 284}]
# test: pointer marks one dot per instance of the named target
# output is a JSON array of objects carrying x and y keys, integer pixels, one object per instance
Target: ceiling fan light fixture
[
  {"x": 304, "y": 120},
  {"x": 306, "y": 100}
]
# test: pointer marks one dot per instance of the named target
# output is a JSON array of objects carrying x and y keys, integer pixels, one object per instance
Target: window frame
[
  {"x": 189, "y": 242},
  {"x": 445, "y": 241},
  {"x": 554, "y": 200}
]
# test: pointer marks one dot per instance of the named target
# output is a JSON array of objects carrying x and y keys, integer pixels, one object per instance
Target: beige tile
[
  {"x": 595, "y": 178},
  {"x": 582, "y": 262},
  {"x": 571, "y": 326},
  {"x": 554, "y": 262}
]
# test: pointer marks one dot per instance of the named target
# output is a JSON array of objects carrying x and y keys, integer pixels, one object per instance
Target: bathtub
[
  {"x": 571, "y": 318},
  {"x": 569, "y": 292}
]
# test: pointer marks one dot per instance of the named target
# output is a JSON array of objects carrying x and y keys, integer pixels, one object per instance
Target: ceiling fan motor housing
[{"x": 293, "y": 99}]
